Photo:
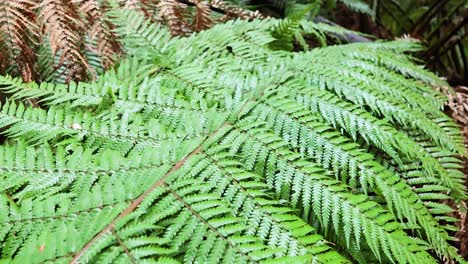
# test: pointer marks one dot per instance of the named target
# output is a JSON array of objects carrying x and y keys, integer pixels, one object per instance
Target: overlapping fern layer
[{"x": 215, "y": 148}]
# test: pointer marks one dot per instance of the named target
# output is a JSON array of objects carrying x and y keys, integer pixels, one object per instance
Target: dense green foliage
[
  {"x": 441, "y": 25},
  {"x": 221, "y": 147}
]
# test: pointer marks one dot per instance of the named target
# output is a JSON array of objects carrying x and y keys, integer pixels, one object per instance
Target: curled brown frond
[
  {"x": 202, "y": 19},
  {"x": 103, "y": 41},
  {"x": 173, "y": 12},
  {"x": 18, "y": 29},
  {"x": 3, "y": 56},
  {"x": 458, "y": 107},
  {"x": 233, "y": 12},
  {"x": 60, "y": 20},
  {"x": 131, "y": 4}
]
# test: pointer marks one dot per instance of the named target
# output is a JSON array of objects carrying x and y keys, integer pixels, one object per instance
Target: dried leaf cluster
[
  {"x": 64, "y": 40},
  {"x": 459, "y": 104},
  {"x": 458, "y": 109},
  {"x": 182, "y": 19}
]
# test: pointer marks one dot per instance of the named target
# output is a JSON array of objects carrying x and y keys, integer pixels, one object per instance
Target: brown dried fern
[
  {"x": 103, "y": 41},
  {"x": 173, "y": 11},
  {"x": 147, "y": 7},
  {"x": 4, "y": 61},
  {"x": 73, "y": 27},
  {"x": 19, "y": 31},
  {"x": 233, "y": 12},
  {"x": 202, "y": 19},
  {"x": 60, "y": 20}
]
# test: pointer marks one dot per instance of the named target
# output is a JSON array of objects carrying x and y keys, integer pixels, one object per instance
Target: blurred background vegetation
[{"x": 441, "y": 25}]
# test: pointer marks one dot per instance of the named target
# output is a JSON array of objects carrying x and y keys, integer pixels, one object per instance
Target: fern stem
[
  {"x": 122, "y": 245},
  {"x": 134, "y": 204}
]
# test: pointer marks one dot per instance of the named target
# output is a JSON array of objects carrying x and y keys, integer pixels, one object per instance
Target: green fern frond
[
  {"x": 399, "y": 197},
  {"x": 140, "y": 33},
  {"x": 207, "y": 219},
  {"x": 303, "y": 184},
  {"x": 383, "y": 54},
  {"x": 349, "y": 163},
  {"x": 215, "y": 148}
]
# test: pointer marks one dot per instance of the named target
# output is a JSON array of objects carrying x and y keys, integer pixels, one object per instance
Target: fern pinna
[{"x": 220, "y": 148}]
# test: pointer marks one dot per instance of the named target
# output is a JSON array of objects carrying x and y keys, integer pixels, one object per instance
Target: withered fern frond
[
  {"x": 173, "y": 11},
  {"x": 60, "y": 20},
  {"x": 202, "y": 19},
  {"x": 100, "y": 32},
  {"x": 19, "y": 30}
]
